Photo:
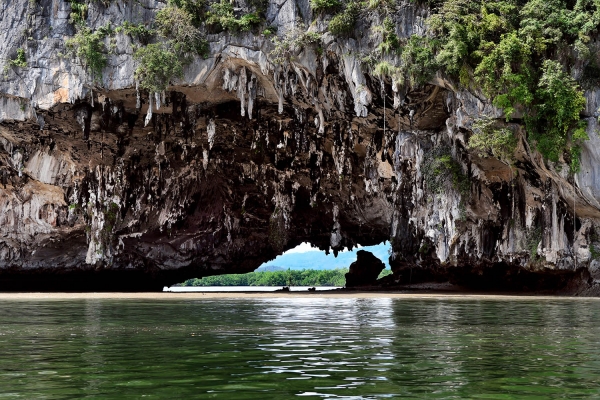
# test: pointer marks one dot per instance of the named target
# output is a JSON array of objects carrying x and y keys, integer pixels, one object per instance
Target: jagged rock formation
[
  {"x": 103, "y": 186},
  {"x": 365, "y": 270}
]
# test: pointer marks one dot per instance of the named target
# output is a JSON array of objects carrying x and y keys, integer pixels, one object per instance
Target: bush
[
  {"x": 418, "y": 62},
  {"x": 389, "y": 40},
  {"x": 79, "y": 11},
  {"x": 579, "y": 135},
  {"x": 533, "y": 238},
  {"x": 221, "y": 17},
  {"x": 441, "y": 172},
  {"x": 160, "y": 62},
  {"x": 293, "y": 41},
  {"x": 505, "y": 73},
  {"x": 556, "y": 121},
  {"x": 139, "y": 31},
  {"x": 195, "y": 8},
  {"x": 248, "y": 21},
  {"x": 306, "y": 277},
  {"x": 386, "y": 69},
  {"x": 343, "y": 23},
  {"x": 177, "y": 24},
  {"x": 324, "y": 5},
  {"x": 88, "y": 46},
  {"x": 158, "y": 66},
  {"x": 488, "y": 138},
  {"x": 19, "y": 60},
  {"x": 516, "y": 51}
]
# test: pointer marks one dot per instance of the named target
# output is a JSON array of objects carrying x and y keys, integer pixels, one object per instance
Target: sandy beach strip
[{"x": 159, "y": 296}]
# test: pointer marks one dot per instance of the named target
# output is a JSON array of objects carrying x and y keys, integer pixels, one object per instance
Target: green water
[{"x": 313, "y": 348}]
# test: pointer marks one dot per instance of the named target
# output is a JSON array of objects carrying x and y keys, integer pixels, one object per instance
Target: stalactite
[
  {"x": 149, "y": 114},
  {"x": 242, "y": 87},
  {"x": 138, "y": 97},
  {"x": 157, "y": 100},
  {"x": 252, "y": 89},
  {"x": 211, "y": 131}
]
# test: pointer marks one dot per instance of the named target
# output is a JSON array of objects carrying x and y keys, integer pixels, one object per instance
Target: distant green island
[{"x": 277, "y": 276}]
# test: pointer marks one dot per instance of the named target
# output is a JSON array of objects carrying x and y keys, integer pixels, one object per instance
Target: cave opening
[{"x": 301, "y": 268}]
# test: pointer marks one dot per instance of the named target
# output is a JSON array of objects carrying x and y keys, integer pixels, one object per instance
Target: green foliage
[
  {"x": 305, "y": 277},
  {"x": 463, "y": 25},
  {"x": 594, "y": 239},
  {"x": 442, "y": 172},
  {"x": 20, "y": 60},
  {"x": 386, "y": 69},
  {"x": 324, "y": 5},
  {"x": 377, "y": 4},
  {"x": 177, "y": 25},
  {"x": 556, "y": 121},
  {"x": 110, "y": 216},
  {"x": 389, "y": 40},
  {"x": 516, "y": 51},
  {"x": 247, "y": 22},
  {"x": 445, "y": 165},
  {"x": 504, "y": 73},
  {"x": 384, "y": 273},
  {"x": 158, "y": 65},
  {"x": 139, "y": 31},
  {"x": 79, "y": 11},
  {"x": 532, "y": 240},
  {"x": 88, "y": 46},
  {"x": 562, "y": 100},
  {"x": 579, "y": 135},
  {"x": 343, "y": 23},
  {"x": 490, "y": 139},
  {"x": 160, "y": 62},
  {"x": 269, "y": 31},
  {"x": 293, "y": 41},
  {"x": 221, "y": 17},
  {"x": 418, "y": 62},
  {"x": 594, "y": 252},
  {"x": 195, "y": 8}
]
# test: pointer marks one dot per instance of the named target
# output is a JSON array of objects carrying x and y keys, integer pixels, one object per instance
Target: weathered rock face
[
  {"x": 105, "y": 187},
  {"x": 365, "y": 270}
]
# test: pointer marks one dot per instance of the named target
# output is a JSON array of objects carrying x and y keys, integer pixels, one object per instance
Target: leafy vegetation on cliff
[
  {"x": 527, "y": 56},
  {"x": 292, "y": 41},
  {"x": 521, "y": 54},
  {"x": 343, "y": 23},
  {"x": 88, "y": 46},
  {"x": 20, "y": 60},
  {"x": 489, "y": 137},
  {"x": 441, "y": 172},
  {"x": 164, "y": 60},
  {"x": 168, "y": 45}
]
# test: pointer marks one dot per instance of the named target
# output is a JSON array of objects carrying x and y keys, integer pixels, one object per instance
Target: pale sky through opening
[{"x": 305, "y": 247}]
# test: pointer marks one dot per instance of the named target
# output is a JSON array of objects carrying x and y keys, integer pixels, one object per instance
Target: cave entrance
[
  {"x": 298, "y": 269},
  {"x": 304, "y": 256}
]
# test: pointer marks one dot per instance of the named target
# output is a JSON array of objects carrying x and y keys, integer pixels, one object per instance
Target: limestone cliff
[{"x": 104, "y": 185}]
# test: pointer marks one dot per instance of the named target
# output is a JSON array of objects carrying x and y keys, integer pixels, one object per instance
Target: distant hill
[
  {"x": 271, "y": 268},
  {"x": 317, "y": 259}
]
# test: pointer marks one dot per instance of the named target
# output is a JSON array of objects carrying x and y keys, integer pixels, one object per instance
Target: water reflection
[
  {"x": 92, "y": 359},
  {"x": 496, "y": 348},
  {"x": 315, "y": 348}
]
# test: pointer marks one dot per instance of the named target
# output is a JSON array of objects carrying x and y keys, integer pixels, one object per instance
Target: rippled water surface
[{"x": 280, "y": 348}]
